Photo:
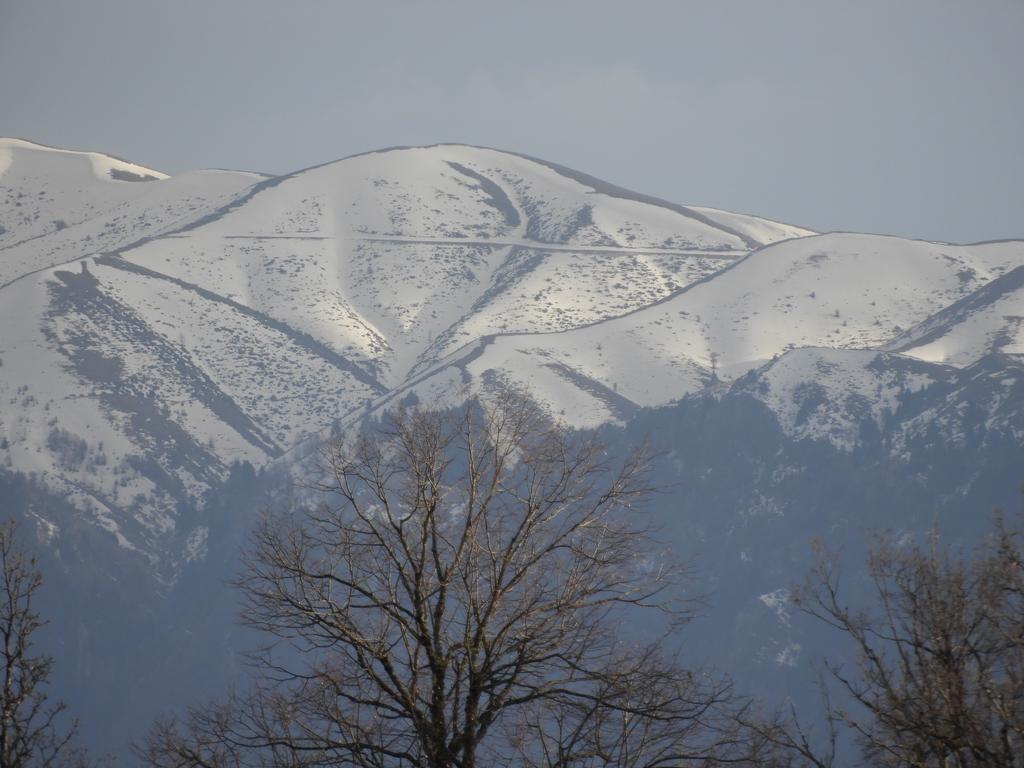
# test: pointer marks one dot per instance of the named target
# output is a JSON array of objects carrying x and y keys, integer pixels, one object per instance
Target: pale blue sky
[{"x": 892, "y": 116}]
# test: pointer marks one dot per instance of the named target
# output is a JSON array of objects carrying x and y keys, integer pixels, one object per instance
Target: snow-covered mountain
[
  {"x": 839, "y": 291},
  {"x": 163, "y": 340},
  {"x": 159, "y": 328}
]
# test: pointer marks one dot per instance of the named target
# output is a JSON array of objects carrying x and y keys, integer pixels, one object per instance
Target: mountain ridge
[{"x": 312, "y": 298}]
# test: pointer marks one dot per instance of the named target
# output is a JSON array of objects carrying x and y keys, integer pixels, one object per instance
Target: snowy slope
[
  {"x": 990, "y": 319},
  {"x": 964, "y": 412},
  {"x": 44, "y": 188},
  {"x": 838, "y": 291},
  {"x": 174, "y": 325},
  {"x": 835, "y": 394},
  {"x": 57, "y": 205},
  {"x": 764, "y": 231},
  {"x": 403, "y": 256}
]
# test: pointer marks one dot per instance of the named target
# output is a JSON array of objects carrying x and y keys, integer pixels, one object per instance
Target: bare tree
[
  {"x": 790, "y": 740},
  {"x": 939, "y": 676},
  {"x": 461, "y": 601},
  {"x": 31, "y": 732}
]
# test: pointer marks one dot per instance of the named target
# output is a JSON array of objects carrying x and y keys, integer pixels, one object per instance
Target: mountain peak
[{"x": 103, "y": 166}]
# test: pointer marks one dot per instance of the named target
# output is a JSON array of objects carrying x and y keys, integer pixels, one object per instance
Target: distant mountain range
[{"x": 159, "y": 333}]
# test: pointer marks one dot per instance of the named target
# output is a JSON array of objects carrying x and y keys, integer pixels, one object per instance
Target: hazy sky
[{"x": 892, "y": 116}]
